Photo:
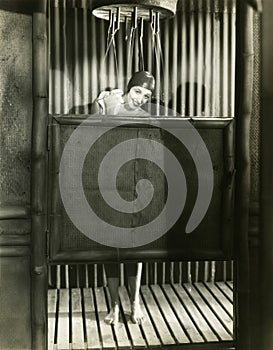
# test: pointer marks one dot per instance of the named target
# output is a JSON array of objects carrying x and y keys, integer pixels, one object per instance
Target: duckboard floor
[{"x": 190, "y": 316}]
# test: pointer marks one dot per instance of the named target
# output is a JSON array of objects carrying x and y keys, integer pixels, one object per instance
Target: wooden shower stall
[{"x": 194, "y": 288}]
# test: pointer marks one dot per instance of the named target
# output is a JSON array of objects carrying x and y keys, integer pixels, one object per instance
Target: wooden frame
[{"x": 225, "y": 250}]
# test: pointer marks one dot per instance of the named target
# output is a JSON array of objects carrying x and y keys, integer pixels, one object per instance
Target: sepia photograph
[{"x": 136, "y": 175}]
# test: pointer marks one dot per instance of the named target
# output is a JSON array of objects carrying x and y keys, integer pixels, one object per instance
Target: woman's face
[{"x": 137, "y": 96}]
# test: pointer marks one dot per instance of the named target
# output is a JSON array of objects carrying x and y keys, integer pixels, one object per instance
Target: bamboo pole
[
  {"x": 266, "y": 189},
  {"x": 244, "y": 85},
  {"x": 39, "y": 179}
]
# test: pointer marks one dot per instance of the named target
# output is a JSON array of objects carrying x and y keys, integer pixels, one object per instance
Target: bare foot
[
  {"x": 113, "y": 316},
  {"x": 136, "y": 313}
]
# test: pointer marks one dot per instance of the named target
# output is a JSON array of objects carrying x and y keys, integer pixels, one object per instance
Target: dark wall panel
[
  {"x": 15, "y": 326},
  {"x": 15, "y": 107}
]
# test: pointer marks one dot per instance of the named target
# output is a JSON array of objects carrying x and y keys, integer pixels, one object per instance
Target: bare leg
[
  {"x": 134, "y": 286},
  {"x": 112, "y": 274}
]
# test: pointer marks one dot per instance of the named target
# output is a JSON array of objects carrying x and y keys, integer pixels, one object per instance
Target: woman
[{"x": 115, "y": 102}]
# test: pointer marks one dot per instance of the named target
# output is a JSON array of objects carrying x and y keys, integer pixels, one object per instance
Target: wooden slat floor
[{"x": 175, "y": 316}]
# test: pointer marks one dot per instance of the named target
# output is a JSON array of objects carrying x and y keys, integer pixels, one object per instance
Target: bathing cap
[{"x": 143, "y": 79}]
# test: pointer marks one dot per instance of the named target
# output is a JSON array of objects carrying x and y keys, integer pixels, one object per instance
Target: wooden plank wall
[
  {"x": 195, "y": 72},
  {"x": 93, "y": 275}
]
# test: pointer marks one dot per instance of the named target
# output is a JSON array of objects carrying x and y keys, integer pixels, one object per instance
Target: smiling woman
[{"x": 139, "y": 92}]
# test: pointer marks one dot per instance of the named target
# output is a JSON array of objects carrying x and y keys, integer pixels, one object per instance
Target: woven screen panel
[
  {"x": 208, "y": 234},
  {"x": 15, "y": 107},
  {"x": 255, "y": 117}
]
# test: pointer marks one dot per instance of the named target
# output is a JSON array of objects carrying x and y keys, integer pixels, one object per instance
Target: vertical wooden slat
[
  {"x": 102, "y": 72},
  {"x": 57, "y": 60},
  {"x": 233, "y": 57},
  {"x": 58, "y": 277},
  {"x": 94, "y": 62},
  {"x": 191, "y": 62},
  {"x": 224, "y": 271},
  {"x": 66, "y": 277},
  {"x": 155, "y": 272},
  {"x": 163, "y": 272},
  {"x": 78, "y": 276},
  {"x": 206, "y": 273},
  {"x": 216, "y": 92},
  {"x": 85, "y": 74},
  {"x": 166, "y": 67},
  {"x": 199, "y": 64},
  {"x": 95, "y": 275},
  {"x": 184, "y": 68},
  {"x": 104, "y": 278},
  {"x": 208, "y": 63},
  {"x": 212, "y": 271},
  {"x": 189, "y": 272},
  {"x": 174, "y": 64},
  {"x": 180, "y": 272},
  {"x": 86, "y": 276},
  {"x": 225, "y": 76},
  {"x": 110, "y": 62},
  {"x": 157, "y": 73},
  {"x": 122, "y": 274},
  {"x": 120, "y": 53},
  {"x": 65, "y": 68},
  {"x": 150, "y": 52},
  {"x": 196, "y": 277},
  {"x": 76, "y": 76},
  {"x": 146, "y": 273},
  {"x": 135, "y": 48},
  {"x": 172, "y": 272}
]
